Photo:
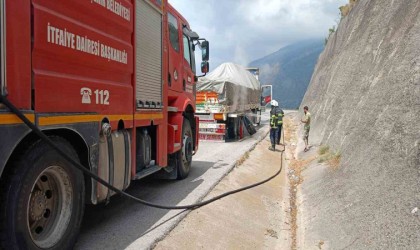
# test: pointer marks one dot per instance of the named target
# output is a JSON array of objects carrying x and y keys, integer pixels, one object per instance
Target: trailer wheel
[
  {"x": 186, "y": 153},
  {"x": 43, "y": 200}
]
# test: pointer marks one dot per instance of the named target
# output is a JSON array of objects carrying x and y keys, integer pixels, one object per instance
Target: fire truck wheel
[
  {"x": 186, "y": 153},
  {"x": 43, "y": 200}
]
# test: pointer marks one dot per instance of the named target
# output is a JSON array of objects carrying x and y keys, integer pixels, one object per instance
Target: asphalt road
[{"x": 124, "y": 224}]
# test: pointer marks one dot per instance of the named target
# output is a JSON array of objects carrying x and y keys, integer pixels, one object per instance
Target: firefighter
[
  {"x": 274, "y": 128},
  {"x": 280, "y": 115}
]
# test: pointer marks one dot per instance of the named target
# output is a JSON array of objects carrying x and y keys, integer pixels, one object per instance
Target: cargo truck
[
  {"x": 228, "y": 102},
  {"x": 112, "y": 84}
]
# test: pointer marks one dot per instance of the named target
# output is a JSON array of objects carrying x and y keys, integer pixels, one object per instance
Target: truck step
[
  {"x": 172, "y": 109},
  {"x": 147, "y": 171}
]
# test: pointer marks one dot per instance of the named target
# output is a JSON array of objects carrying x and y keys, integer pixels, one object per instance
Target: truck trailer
[
  {"x": 228, "y": 102},
  {"x": 112, "y": 84}
]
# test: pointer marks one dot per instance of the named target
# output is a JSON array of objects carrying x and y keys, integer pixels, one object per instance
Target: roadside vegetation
[
  {"x": 331, "y": 158},
  {"x": 331, "y": 31},
  {"x": 344, "y": 11}
]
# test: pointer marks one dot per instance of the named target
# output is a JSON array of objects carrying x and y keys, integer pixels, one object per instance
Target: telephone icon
[{"x": 86, "y": 93}]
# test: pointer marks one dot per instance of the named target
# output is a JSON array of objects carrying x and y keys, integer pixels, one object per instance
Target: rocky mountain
[
  {"x": 289, "y": 70},
  {"x": 364, "y": 97}
]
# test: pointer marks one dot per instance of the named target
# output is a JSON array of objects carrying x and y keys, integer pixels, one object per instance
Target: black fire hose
[{"x": 77, "y": 165}]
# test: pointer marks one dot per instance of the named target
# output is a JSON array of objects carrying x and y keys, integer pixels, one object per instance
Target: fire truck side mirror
[
  {"x": 205, "y": 51},
  {"x": 205, "y": 67}
]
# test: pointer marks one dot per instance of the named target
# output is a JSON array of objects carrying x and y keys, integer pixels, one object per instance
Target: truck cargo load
[{"x": 236, "y": 88}]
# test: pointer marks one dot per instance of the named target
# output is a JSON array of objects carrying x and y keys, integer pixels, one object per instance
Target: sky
[{"x": 241, "y": 31}]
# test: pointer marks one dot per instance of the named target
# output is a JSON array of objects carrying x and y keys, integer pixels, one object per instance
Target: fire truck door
[{"x": 175, "y": 56}]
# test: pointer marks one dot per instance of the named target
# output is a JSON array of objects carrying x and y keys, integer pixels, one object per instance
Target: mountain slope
[
  {"x": 289, "y": 70},
  {"x": 364, "y": 97}
]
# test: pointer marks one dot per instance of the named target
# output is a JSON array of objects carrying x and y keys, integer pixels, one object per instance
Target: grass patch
[
  {"x": 323, "y": 150},
  {"x": 334, "y": 160},
  {"x": 323, "y": 158},
  {"x": 331, "y": 158}
]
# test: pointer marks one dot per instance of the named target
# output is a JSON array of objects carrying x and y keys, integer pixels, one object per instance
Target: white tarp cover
[{"x": 234, "y": 84}]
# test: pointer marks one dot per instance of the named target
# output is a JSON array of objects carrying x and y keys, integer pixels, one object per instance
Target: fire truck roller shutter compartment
[{"x": 148, "y": 55}]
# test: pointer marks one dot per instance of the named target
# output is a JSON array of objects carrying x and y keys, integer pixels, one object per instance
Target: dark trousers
[
  {"x": 279, "y": 134},
  {"x": 274, "y": 132}
]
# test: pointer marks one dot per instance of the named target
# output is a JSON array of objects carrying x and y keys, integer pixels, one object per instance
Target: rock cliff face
[{"x": 364, "y": 97}]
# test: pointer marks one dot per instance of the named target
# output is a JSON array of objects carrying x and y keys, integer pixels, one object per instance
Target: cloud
[{"x": 240, "y": 31}]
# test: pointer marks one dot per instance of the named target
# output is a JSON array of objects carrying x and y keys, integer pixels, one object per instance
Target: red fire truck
[{"x": 112, "y": 83}]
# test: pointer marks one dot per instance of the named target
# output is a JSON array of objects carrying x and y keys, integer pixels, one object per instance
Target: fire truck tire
[
  {"x": 186, "y": 152},
  {"x": 42, "y": 200}
]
